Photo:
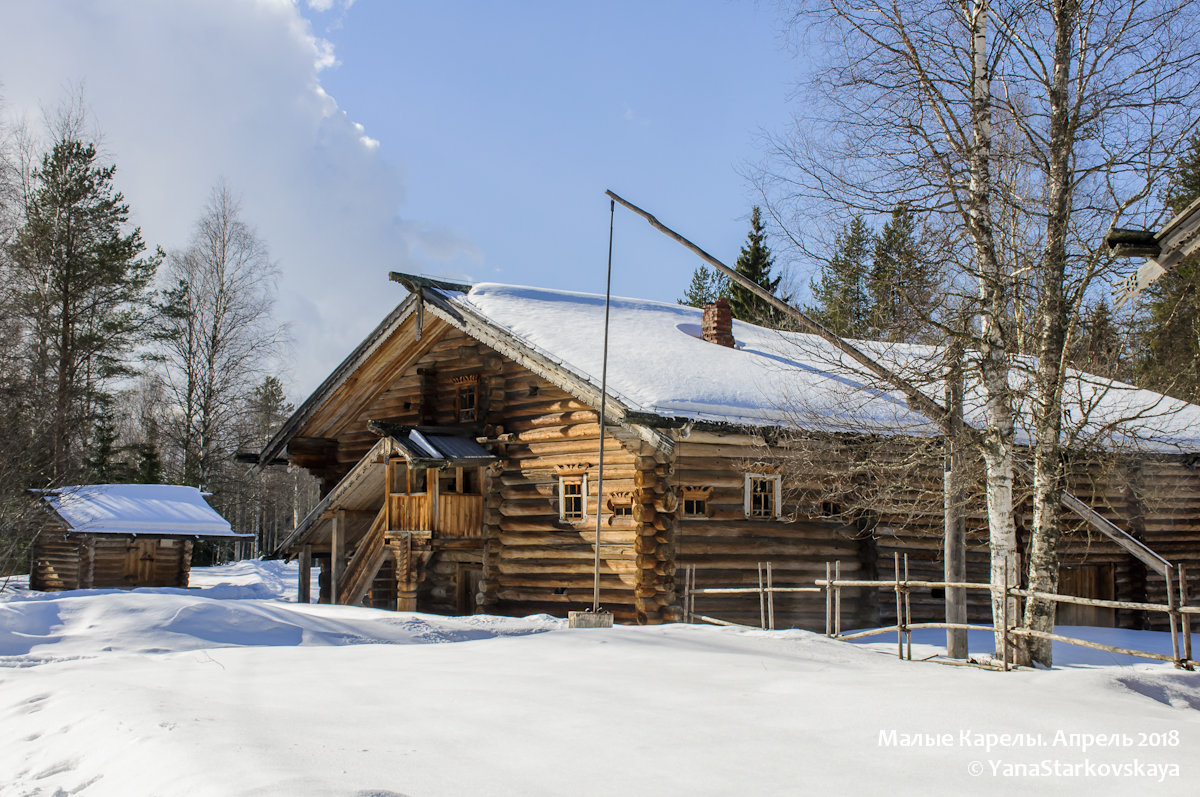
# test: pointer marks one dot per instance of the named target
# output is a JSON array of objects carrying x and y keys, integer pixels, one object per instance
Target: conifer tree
[
  {"x": 902, "y": 284},
  {"x": 706, "y": 287},
  {"x": 1170, "y": 334},
  {"x": 840, "y": 289},
  {"x": 83, "y": 293},
  {"x": 755, "y": 263}
]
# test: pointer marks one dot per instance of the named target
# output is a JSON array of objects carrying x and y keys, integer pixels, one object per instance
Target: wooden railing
[
  {"x": 364, "y": 564},
  {"x": 457, "y": 515},
  {"x": 1179, "y": 613},
  {"x": 410, "y": 512}
]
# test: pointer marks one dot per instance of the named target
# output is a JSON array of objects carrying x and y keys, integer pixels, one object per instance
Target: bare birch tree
[
  {"x": 909, "y": 118},
  {"x": 217, "y": 335},
  {"x": 1089, "y": 98}
]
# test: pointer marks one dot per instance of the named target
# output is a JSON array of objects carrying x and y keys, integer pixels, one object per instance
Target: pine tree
[
  {"x": 902, "y": 285},
  {"x": 1170, "y": 334},
  {"x": 755, "y": 263},
  {"x": 83, "y": 289},
  {"x": 706, "y": 287},
  {"x": 840, "y": 289}
]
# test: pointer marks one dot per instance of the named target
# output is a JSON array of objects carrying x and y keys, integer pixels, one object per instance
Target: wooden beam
[
  {"x": 305, "y": 592},
  {"x": 337, "y": 562}
]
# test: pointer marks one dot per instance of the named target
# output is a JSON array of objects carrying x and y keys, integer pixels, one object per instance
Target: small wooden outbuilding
[{"x": 121, "y": 535}]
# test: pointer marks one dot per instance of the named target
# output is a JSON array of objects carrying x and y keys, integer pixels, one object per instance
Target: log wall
[
  {"x": 530, "y": 561},
  {"x": 62, "y": 562}
]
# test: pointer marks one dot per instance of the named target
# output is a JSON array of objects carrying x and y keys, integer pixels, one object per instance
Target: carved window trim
[
  {"x": 572, "y": 493},
  {"x": 466, "y": 398},
  {"x": 620, "y": 504},
  {"x": 763, "y": 495},
  {"x": 694, "y": 503}
]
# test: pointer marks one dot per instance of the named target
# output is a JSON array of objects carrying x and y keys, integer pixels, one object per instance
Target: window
[
  {"x": 572, "y": 492},
  {"x": 572, "y": 498},
  {"x": 620, "y": 503},
  {"x": 762, "y": 496},
  {"x": 695, "y": 501},
  {"x": 466, "y": 398}
]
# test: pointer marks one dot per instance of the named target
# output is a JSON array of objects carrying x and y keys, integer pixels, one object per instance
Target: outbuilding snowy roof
[
  {"x": 165, "y": 510},
  {"x": 660, "y": 365}
]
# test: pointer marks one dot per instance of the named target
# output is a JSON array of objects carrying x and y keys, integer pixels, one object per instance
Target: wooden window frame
[
  {"x": 620, "y": 504},
  {"x": 695, "y": 495},
  {"x": 573, "y": 479},
  {"x": 776, "y": 482},
  {"x": 466, "y": 386}
]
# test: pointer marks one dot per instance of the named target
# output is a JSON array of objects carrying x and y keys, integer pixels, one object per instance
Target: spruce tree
[
  {"x": 1170, "y": 334},
  {"x": 755, "y": 263},
  {"x": 706, "y": 287},
  {"x": 840, "y": 289},
  {"x": 902, "y": 285}
]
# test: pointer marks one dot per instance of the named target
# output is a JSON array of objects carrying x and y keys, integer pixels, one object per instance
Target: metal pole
[{"x": 612, "y": 213}]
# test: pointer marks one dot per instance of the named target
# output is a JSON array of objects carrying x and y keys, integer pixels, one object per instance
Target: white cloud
[{"x": 193, "y": 90}]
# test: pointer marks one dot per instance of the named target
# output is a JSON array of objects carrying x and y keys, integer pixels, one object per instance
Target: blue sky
[{"x": 470, "y": 140}]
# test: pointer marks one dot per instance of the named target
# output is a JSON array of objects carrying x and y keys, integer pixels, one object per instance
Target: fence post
[
  {"x": 770, "y": 599},
  {"x": 907, "y": 610},
  {"x": 828, "y": 601},
  {"x": 1171, "y": 613},
  {"x": 687, "y": 592},
  {"x": 1186, "y": 618},
  {"x": 762, "y": 600},
  {"x": 1004, "y": 622},
  {"x": 837, "y": 597},
  {"x": 899, "y": 609}
]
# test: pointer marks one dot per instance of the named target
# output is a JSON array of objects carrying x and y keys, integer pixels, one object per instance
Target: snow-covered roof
[
  {"x": 169, "y": 510},
  {"x": 660, "y": 365}
]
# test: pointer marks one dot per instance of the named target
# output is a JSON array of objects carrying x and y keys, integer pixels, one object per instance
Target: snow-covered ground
[{"x": 232, "y": 688}]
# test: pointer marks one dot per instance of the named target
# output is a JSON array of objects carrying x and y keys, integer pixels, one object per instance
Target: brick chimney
[{"x": 717, "y": 326}]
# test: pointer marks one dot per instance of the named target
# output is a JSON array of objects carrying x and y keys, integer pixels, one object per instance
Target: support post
[
  {"x": 304, "y": 593},
  {"x": 337, "y": 556}
]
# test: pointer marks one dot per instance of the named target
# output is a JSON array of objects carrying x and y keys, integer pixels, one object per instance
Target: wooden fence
[{"x": 1178, "y": 611}]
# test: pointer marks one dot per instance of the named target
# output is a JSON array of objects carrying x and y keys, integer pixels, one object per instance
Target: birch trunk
[
  {"x": 1048, "y": 422},
  {"x": 993, "y": 301}
]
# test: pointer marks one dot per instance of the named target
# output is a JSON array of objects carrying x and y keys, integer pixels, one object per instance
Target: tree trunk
[{"x": 1048, "y": 475}]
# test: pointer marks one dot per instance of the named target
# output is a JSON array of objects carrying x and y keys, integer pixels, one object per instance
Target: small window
[
  {"x": 621, "y": 504},
  {"x": 762, "y": 496},
  {"x": 466, "y": 401},
  {"x": 830, "y": 508},
  {"x": 572, "y": 498},
  {"x": 695, "y": 501}
]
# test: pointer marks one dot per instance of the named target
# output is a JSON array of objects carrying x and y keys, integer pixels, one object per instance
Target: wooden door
[
  {"x": 1087, "y": 581},
  {"x": 139, "y": 562},
  {"x": 469, "y": 577}
]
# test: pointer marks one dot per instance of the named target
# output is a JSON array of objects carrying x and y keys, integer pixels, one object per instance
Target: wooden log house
[
  {"x": 121, "y": 535},
  {"x": 457, "y": 449}
]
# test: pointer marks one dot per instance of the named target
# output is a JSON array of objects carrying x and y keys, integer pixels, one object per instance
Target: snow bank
[{"x": 210, "y": 692}]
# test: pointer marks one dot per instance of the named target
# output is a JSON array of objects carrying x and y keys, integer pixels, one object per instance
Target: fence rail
[{"x": 1176, "y": 608}]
